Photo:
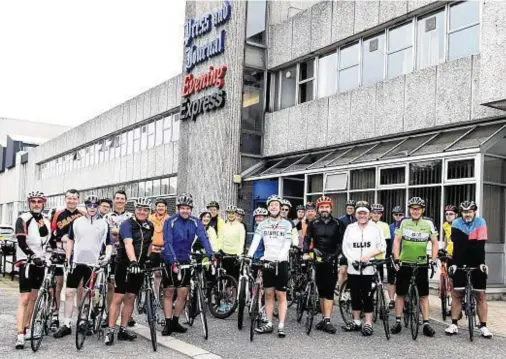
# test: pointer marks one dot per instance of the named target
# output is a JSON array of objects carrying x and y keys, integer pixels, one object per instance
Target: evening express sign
[{"x": 198, "y": 53}]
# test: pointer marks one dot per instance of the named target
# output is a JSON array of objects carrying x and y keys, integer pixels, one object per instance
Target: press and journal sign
[{"x": 196, "y": 53}]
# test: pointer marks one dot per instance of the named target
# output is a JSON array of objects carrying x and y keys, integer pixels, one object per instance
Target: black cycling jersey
[{"x": 327, "y": 235}]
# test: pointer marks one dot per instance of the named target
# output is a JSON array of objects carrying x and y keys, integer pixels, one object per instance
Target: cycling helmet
[
  {"x": 377, "y": 207},
  {"x": 160, "y": 200},
  {"x": 91, "y": 199},
  {"x": 323, "y": 200},
  {"x": 142, "y": 202},
  {"x": 310, "y": 206},
  {"x": 36, "y": 194},
  {"x": 397, "y": 209},
  {"x": 273, "y": 198},
  {"x": 186, "y": 199},
  {"x": 468, "y": 206},
  {"x": 416, "y": 201},
  {"x": 451, "y": 208},
  {"x": 240, "y": 212},
  {"x": 106, "y": 200},
  {"x": 300, "y": 207},
  {"x": 362, "y": 206},
  {"x": 260, "y": 212},
  {"x": 231, "y": 209},
  {"x": 285, "y": 202},
  {"x": 213, "y": 204},
  {"x": 350, "y": 203}
]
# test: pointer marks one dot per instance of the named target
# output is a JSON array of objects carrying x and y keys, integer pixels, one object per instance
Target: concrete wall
[
  {"x": 28, "y": 129},
  {"x": 434, "y": 96},
  {"x": 280, "y": 11},
  {"x": 209, "y": 147}
]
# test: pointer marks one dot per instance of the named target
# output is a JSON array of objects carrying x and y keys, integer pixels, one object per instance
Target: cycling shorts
[
  {"x": 273, "y": 281},
  {"x": 403, "y": 277},
  {"x": 326, "y": 279},
  {"x": 173, "y": 280},
  {"x": 478, "y": 280},
  {"x": 122, "y": 285},
  {"x": 34, "y": 279},
  {"x": 81, "y": 271}
]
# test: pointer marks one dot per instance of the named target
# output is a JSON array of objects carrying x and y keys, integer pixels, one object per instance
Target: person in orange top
[{"x": 158, "y": 218}]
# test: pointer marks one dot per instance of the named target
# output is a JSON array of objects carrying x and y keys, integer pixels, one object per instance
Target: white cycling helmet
[
  {"x": 274, "y": 198},
  {"x": 143, "y": 202},
  {"x": 260, "y": 212},
  {"x": 36, "y": 194}
]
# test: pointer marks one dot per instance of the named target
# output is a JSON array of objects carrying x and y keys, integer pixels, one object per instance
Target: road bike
[
  {"x": 93, "y": 304},
  {"x": 469, "y": 301},
  {"x": 444, "y": 288},
  {"x": 45, "y": 303},
  {"x": 244, "y": 292},
  {"x": 222, "y": 296},
  {"x": 256, "y": 302}
]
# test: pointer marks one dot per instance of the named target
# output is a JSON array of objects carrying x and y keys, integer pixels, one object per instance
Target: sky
[{"x": 67, "y": 61}]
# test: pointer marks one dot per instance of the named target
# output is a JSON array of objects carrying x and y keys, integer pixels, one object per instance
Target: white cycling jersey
[
  {"x": 114, "y": 220},
  {"x": 276, "y": 237},
  {"x": 89, "y": 236}
]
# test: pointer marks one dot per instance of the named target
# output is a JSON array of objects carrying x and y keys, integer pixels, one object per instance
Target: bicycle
[
  {"x": 244, "y": 294},
  {"x": 469, "y": 301},
  {"x": 157, "y": 303},
  {"x": 294, "y": 286},
  {"x": 149, "y": 304},
  {"x": 196, "y": 302},
  {"x": 444, "y": 288},
  {"x": 256, "y": 302},
  {"x": 45, "y": 303},
  {"x": 223, "y": 293},
  {"x": 412, "y": 299},
  {"x": 378, "y": 292},
  {"x": 92, "y": 305}
]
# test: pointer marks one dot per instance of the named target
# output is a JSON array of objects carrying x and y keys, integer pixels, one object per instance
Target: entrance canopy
[{"x": 465, "y": 139}]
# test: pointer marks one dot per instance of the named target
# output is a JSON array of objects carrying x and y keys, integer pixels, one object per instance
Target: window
[
  {"x": 142, "y": 189},
  {"x": 327, "y": 75},
  {"x": 134, "y": 192},
  {"x": 288, "y": 87},
  {"x": 348, "y": 68},
  {"x": 363, "y": 178},
  {"x": 167, "y": 125},
  {"x": 460, "y": 169},
  {"x": 255, "y": 21},
  {"x": 252, "y": 100},
  {"x": 363, "y": 196},
  {"x": 389, "y": 176},
  {"x": 101, "y": 151},
  {"x": 123, "y": 144},
  {"x": 97, "y": 147},
  {"x": 315, "y": 184},
  {"x": 391, "y": 198},
  {"x": 144, "y": 137},
  {"x": 431, "y": 40},
  {"x": 373, "y": 58},
  {"x": 427, "y": 172},
  {"x": 336, "y": 181},
  {"x": 173, "y": 185},
  {"x": 92, "y": 154},
  {"x": 130, "y": 142},
  {"x": 151, "y": 135},
  {"x": 400, "y": 50},
  {"x": 149, "y": 188},
  {"x": 306, "y": 81},
  {"x": 432, "y": 197},
  {"x": 156, "y": 187},
  {"x": 251, "y": 143},
  {"x": 137, "y": 139},
  {"x": 175, "y": 128},
  {"x": 493, "y": 210},
  {"x": 159, "y": 132},
  {"x": 464, "y": 30},
  {"x": 164, "y": 188},
  {"x": 494, "y": 170}
]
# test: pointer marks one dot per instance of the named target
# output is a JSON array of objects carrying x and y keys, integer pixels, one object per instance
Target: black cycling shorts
[
  {"x": 326, "y": 279},
  {"x": 343, "y": 261},
  {"x": 112, "y": 268},
  {"x": 34, "y": 279},
  {"x": 122, "y": 285},
  {"x": 273, "y": 281},
  {"x": 58, "y": 272},
  {"x": 231, "y": 266},
  {"x": 172, "y": 279},
  {"x": 360, "y": 291},
  {"x": 390, "y": 273},
  {"x": 81, "y": 271},
  {"x": 478, "y": 280},
  {"x": 403, "y": 277}
]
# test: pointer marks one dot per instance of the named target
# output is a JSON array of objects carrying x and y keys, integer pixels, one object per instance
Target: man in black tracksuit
[{"x": 326, "y": 233}]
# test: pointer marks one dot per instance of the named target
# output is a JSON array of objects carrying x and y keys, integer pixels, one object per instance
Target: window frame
[
  {"x": 380, "y": 186},
  {"x": 336, "y": 190},
  {"x": 413, "y": 47},
  {"x": 462, "y": 28},
  {"x": 358, "y": 43},
  {"x": 457, "y": 181},
  {"x": 299, "y": 82}
]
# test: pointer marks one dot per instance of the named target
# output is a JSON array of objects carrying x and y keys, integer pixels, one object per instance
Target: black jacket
[{"x": 327, "y": 235}]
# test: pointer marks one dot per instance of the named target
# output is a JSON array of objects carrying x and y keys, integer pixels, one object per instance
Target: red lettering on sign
[{"x": 214, "y": 77}]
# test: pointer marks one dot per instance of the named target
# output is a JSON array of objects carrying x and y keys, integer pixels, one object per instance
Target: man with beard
[{"x": 326, "y": 233}]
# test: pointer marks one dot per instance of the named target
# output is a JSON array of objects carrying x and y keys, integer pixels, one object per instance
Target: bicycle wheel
[
  {"x": 151, "y": 317},
  {"x": 188, "y": 309},
  {"x": 99, "y": 309},
  {"x": 83, "y": 323},
  {"x": 470, "y": 309},
  {"x": 442, "y": 295},
  {"x": 406, "y": 311},
  {"x": 39, "y": 320},
  {"x": 255, "y": 313},
  {"x": 223, "y": 303},
  {"x": 290, "y": 291},
  {"x": 384, "y": 312},
  {"x": 375, "y": 311},
  {"x": 201, "y": 303},
  {"x": 414, "y": 317},
  {"x": 140, "y": 301},
  {"x": 301, "y": 301},
  {"x": 310, "y": 308},
  {"x": 242, "y": 302},
  {"x": 345, "y": 303}
]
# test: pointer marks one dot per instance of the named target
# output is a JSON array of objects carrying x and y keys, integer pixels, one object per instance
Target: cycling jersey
[
  {"x": 232, "y": 237},
  {"x": 326, "y": 235},
  {"x": 141, "y": 234},
  {"x": 359, "y": 241},
  {"x": 213, "y": 240},
  {"x": 114, "y": 220},
  {"x": 415, "y": 236},
  {"x": 277, "y": 239},
  {"x": 469, "y": 241},
  {"x": 89, "y": 236},
  {"x": 60, "y": 225},
  {"x": 179, "y": 235},
  {"x": 32, "y": 233},
  {"x": 447, "y": 230},
  {"x": 390, "y": 243},
  {"x": 158, "y": 222},
  {"x": 259, "y": 253},
  {"x": 217, "y": 222},
  {"x": 386, "y": 234}
]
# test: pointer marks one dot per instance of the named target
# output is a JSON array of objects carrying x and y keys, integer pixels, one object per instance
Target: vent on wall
[
  {"x": 373, "y": 45},
  {"x": 430, "y": 24}
]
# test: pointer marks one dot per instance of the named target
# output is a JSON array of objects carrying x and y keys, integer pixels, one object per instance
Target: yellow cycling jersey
[
  {"x": 385, "y": 229},
  {"x": 231, "y": 237},
  {"x": 447, "y": 230}
]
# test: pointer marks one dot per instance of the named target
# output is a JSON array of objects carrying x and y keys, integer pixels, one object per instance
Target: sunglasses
[
  {"x": 92, "y": 205},
  {"x": 37, "y": 201}
]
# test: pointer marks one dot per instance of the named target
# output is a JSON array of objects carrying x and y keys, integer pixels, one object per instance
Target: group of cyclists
[{"x": 105, "y": 234}]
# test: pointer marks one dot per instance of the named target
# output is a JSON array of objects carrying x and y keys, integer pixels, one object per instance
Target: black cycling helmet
[
  {"x": 91, "y": 199},
  {"x": 213, "y": 204},
  {"x": 160, "y": 200},
  {"x": 300, "y": 208},
  {"x": 310, "y": 206},
  {"x": 377, "y": 207},
  {"x": 468, "y": 206},
  {"x": 106, "y": 200},
  {"x": 240, "y": 212},
  {"x": 350, "y": 203},
  {"x": 397, "y": 210},
  {"x": 416, "y": 201},
  {"x": 203, "y": 213},
  {"x": 451, "y": 208}
]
